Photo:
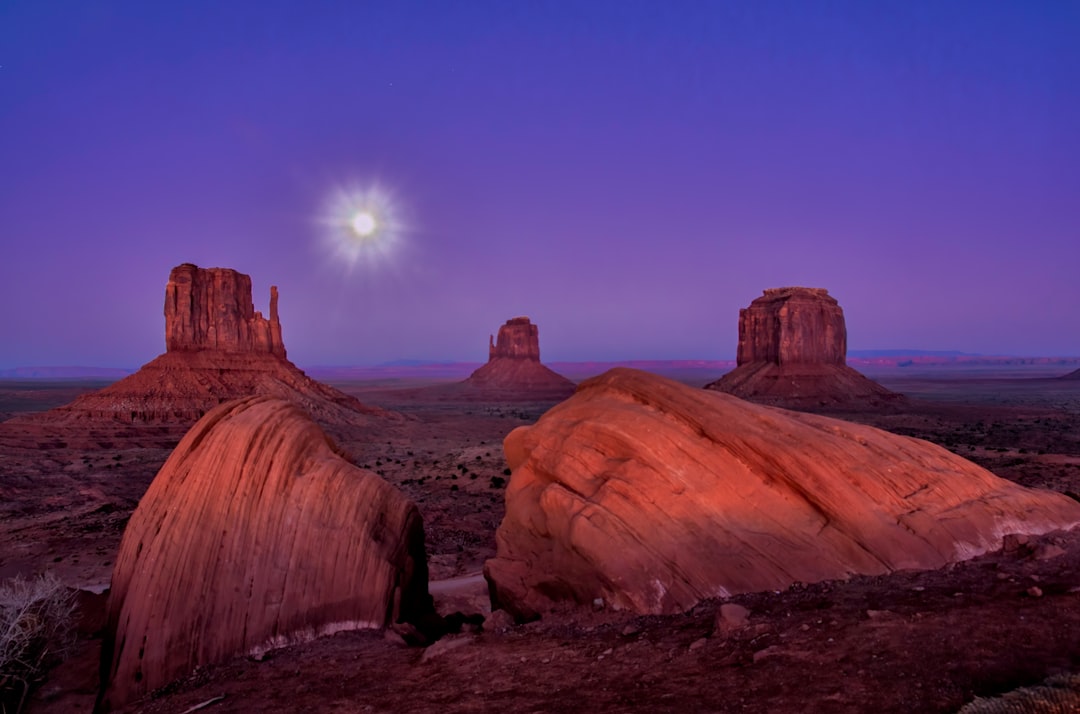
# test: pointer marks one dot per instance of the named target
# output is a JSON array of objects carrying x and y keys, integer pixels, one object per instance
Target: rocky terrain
[
  {"x": 756, "y": 611},
  {"x": 925, "y": 641}
]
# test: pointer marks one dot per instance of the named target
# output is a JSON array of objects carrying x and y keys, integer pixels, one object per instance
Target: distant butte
[
  {"x": 793, "y": 351},
  {"x": 218, "y": 347},
  {"x": 514, "y": 368}
]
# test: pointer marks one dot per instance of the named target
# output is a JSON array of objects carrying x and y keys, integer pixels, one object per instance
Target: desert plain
[{"x": 928, "y": 641}]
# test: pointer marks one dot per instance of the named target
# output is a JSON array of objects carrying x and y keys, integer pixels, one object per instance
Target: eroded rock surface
[
  {"x": 211, "y": 309},
  {"x": 255, "y": 533},
  {"x": 792, "y": 352},
  {"x": 651, "y": 496}
]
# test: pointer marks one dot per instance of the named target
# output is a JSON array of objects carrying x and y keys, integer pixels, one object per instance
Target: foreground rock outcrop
[
  {"x": 653, "y": 496},
  {"x": 514, "y": 369},
  {"x": 218, "y": 348},
  {"x": 1072, "y": 375},
  {"x": 792, "y": 352},
  {"x": 255, "y": 533}
]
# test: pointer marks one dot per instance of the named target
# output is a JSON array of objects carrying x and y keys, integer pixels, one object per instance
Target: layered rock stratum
[
  {"x": 652, "y": 495},
  {"x": 792, "y": 352},
  {"x": 255, "y": 533},
  {"x": 218, "y": 347},
  {"x": 514, "y": 366}
]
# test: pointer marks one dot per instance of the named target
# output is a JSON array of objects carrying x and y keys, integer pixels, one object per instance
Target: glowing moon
[{"x": 363, "y": 224}]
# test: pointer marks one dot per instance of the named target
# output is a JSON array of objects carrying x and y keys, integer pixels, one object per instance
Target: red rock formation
[
  {"x": 219, "y": 348},
  {"x": 653, "y": 496},
  {"x": 255, "y": 533},
  {"x": 211, "y": 309},
  {"x": 792, "y": 352},
  {"x": 513, "y": 369},
  {"x": 518, "y": 339}
]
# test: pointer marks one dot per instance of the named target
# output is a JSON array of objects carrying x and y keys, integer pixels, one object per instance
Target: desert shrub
[{"x": 37, "y": 625}]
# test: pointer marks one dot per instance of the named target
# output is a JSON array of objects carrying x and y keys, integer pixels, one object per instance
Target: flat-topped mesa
[
  {"x": 793, "y": 352},
  {"x": 211, "y": 309},
  {"x": 793, "y": 325},
  {"x": 518, "y": 339}
]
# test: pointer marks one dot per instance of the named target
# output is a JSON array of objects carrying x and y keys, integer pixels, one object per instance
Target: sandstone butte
[
  {"x": 793, "y": 352},
  {"x": 255, "y": 533},
  {"x": 653, "y": 496},
  {"x": 513, "y": 367},
  {"x": 218, "y": 347}
]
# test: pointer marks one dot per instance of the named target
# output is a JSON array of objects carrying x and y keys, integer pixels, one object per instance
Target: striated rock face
[
  {"x": 793, "y": 326},
  {"x": 513, "y": 369},
  {"x": 792, "y": 352},
  {"x": 518, "y": 339},
  {"x": 255, "y": 533},
  {"x": 211, "y": 309},
  {"x": 653, "y": 496}
]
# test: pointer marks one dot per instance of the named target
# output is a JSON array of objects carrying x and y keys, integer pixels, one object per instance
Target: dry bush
[{"x": 37, "y": 625}]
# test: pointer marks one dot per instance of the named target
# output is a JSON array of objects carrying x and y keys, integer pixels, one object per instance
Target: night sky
[{"x": 628, "y": 174}]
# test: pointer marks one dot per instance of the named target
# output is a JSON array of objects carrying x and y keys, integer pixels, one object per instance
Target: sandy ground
[{"x": 924, "y": 642}]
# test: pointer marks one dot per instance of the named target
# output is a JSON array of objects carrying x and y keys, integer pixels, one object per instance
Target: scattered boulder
[
  {"x": 731, "y": 616},
  {"x": 652, "y": 496},
  {"x": 254, "y": 534},
  {"x": 793, "y": 352}
]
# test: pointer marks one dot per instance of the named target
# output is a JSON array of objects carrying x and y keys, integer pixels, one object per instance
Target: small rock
[
  {"x": 412, "y": 636},
  {"x": 608, "y": 651},
  {"x": 767, "y": 652},
  {"x": 1048, "y": 551},
  {"x": 446, "y": 644},
  {"x": 1035, "y": 591},
  {"x": 598, "y": 603},
  {"x": 1016, "y": 544},
  {"x": 878, "y": 614},
  {"x": 395, "y": 638},
  {"x": 804, "y": 627},
  {"x": 698, "y": 644},
  {"x": 1003, "y": 576},
  {"x": 731, "y": 616},
  {"x": 498, "y": 620},
  {"x": 630, "y": 630}
]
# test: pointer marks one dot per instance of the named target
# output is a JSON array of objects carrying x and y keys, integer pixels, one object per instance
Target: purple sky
[{"x": 628, "y": 174}]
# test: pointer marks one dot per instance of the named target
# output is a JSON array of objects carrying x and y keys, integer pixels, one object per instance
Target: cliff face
[
  {"x": 518, "y": 339},
  {"x": 793, "y": 352},
  {"x": 653, "y": 496},
  {"x": 793, "y": 326},
  {"x": 255, "y": 533},
  {"x": 211, "y": 309}
]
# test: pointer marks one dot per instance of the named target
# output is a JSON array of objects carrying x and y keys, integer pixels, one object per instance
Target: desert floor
[{"x": 906, "y": 642}]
